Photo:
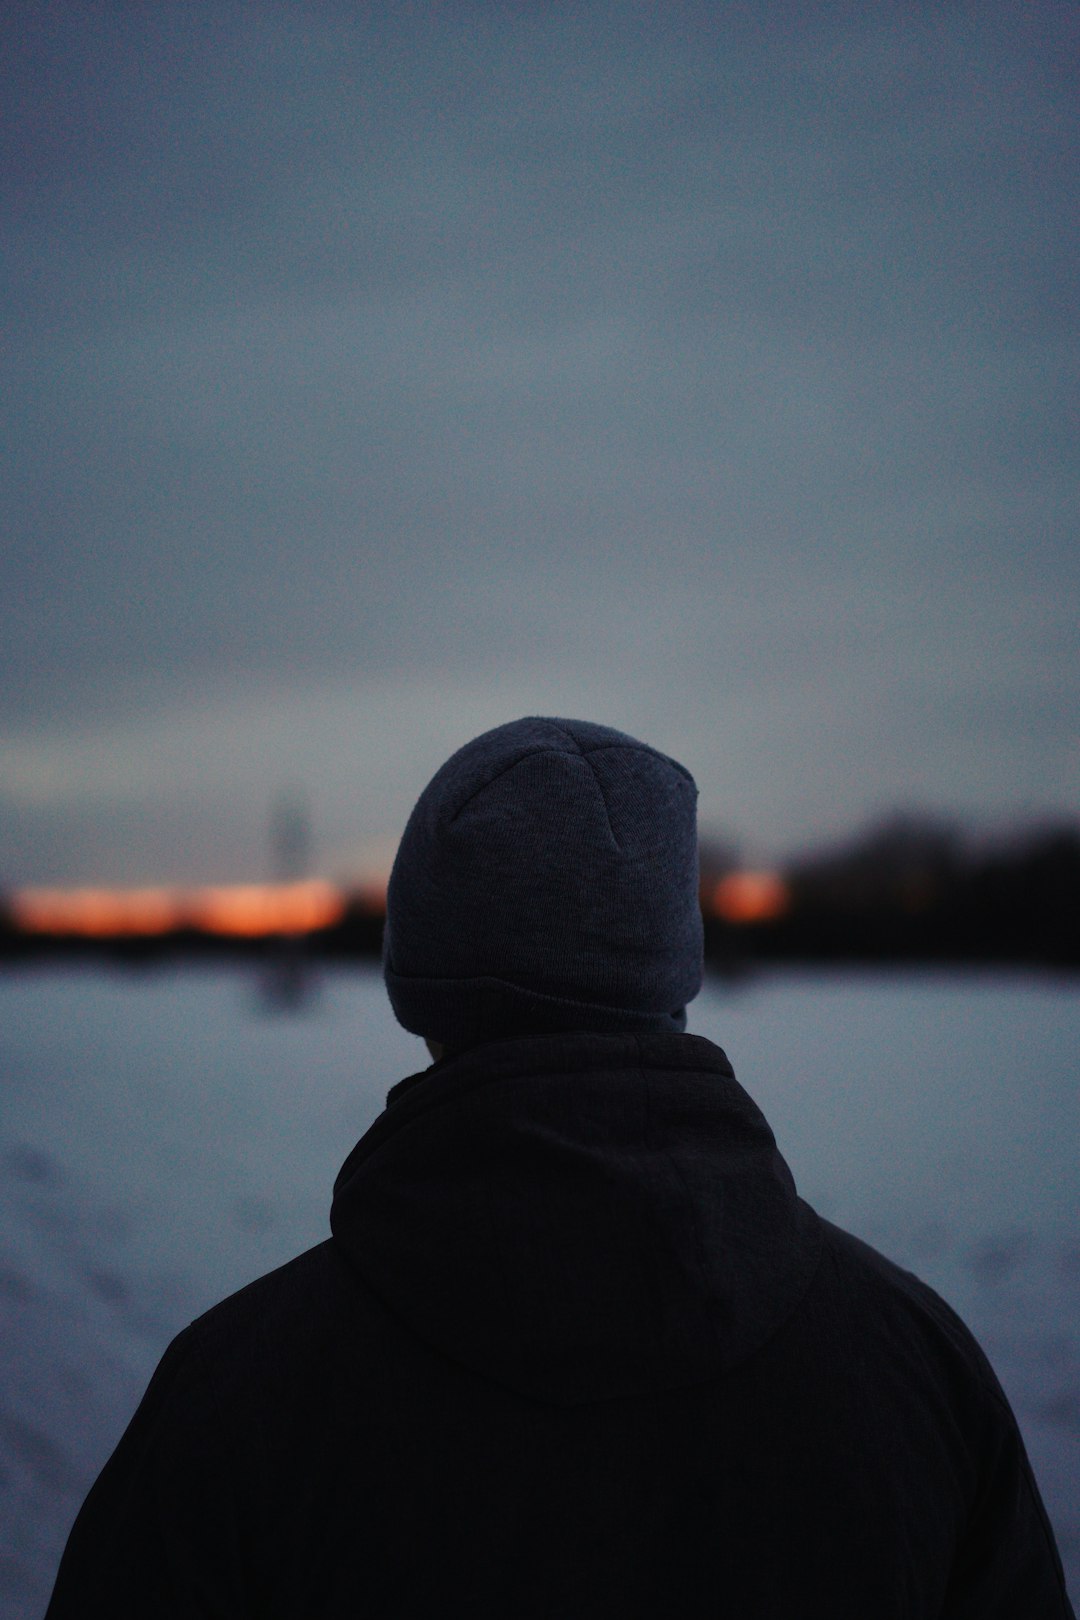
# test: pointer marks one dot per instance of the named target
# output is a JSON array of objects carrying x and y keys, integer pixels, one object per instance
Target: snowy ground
[{"x": 165, "y": 1138}]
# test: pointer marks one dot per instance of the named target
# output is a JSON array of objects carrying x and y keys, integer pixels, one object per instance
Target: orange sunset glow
[
  {"x": 259, "y": 910},
  {"x": 240, "y": 910},
  {"x": 750, "y": 897}
]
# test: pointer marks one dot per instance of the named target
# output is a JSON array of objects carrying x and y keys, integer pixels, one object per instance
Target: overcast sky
[{"x": 378, "y": 373}]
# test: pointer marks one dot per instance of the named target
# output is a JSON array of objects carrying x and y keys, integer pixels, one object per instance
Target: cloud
[{"x": 716, "y": 369}]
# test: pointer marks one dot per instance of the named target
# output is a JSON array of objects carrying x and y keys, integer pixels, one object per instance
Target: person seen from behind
[{"x": 575, "y": 1347}]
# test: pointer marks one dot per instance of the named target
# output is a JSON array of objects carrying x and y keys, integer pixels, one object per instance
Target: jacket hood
[{"x": 579, "y": 1216}]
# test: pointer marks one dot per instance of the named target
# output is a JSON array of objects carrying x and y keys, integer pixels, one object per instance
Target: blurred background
[{"x": 376, "y": 374}]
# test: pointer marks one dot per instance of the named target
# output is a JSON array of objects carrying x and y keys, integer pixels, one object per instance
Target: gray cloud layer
[{"x": 385, "y": 372}]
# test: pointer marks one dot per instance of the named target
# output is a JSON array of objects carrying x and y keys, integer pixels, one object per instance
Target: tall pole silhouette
[
  {"x": 287, "y": 981},
  {"x": 290, "y": 836}
]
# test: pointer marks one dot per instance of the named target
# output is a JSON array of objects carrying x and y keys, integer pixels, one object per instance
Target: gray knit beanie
[{"x": 547, "y": 879}]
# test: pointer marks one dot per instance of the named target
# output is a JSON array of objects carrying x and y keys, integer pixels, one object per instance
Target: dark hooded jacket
[{"x": 575, "y": 1348}]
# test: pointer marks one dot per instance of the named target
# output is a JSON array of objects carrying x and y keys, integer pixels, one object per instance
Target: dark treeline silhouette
[
  {"x": 914, "y": 890},
  {"x": 907, "y": 890}
]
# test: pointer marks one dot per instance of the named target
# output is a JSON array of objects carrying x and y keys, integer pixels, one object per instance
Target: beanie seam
[
  {"x": 576, "y": 751},
  {"x": 530, "y": 753},
  {"x": 603, "y": 801},
  {"x": 630, "y": 746}
]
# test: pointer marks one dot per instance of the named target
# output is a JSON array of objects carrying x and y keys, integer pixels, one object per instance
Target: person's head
[{"x": 547, "y": 880}]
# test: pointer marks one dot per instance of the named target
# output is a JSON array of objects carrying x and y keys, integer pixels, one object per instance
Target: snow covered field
[{"x": 164, "y": 1138}]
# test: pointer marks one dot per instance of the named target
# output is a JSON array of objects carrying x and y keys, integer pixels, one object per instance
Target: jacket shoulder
[
  {"x": 308, "y": 1281},
  {"x": 890, "y": 1295},
  {"x": 260, "y": 1342}
]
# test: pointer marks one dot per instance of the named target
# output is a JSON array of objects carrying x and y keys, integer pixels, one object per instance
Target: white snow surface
[{"x": 166, "y": 1136}]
